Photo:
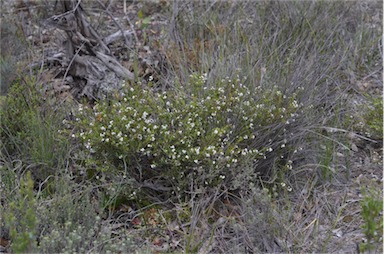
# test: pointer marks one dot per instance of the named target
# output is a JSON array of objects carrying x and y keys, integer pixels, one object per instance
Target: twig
[
  {"x": 114, "y": 20},
  {"x": 71, "y": 62},
  {"x": 332, "y": 129},
  {"x": 115, "y": 36}
]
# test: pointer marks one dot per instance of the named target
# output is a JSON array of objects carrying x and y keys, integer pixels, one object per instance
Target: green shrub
[
  {"x": 372, "y": 213},
  {"x": 73, "y": 223},
  {"x": 201, "y": 135},
  {"x": 29, "y": 127},
  {"x": 374, "y": 117},
  {"x": 22, "y": 218}
]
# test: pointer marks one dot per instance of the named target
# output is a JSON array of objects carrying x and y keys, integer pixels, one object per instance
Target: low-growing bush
[
  {"x": 74, "y": 223},
  {"x": 374, "y": 118},
  {"x": 201, "y": 136},
  {"x": 371, "y": 212},
  {"x": 21, "y": 218},
  {"x": 28, "y": 128}
]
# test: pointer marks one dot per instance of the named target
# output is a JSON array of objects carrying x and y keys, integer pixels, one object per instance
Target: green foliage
[
  {"x": 72, "y": 224},
  {"x": 372, "y": 213},
  {"x": 22, "y": 218},
  {"x": 202, "y": 134},
  {"x": 29, "y": 125},
  {"x": 206, "y": 133},
  {"x": 374, "y": 117}
]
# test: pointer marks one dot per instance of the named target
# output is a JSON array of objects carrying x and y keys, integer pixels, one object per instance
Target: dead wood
[{"x": 90, "y": 60}]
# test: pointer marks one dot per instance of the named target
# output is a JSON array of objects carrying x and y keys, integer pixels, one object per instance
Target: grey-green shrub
[
  {"x": 29, "y": 128},
  {"x": 200, "y": 135},
  {"x": 372, "y": 214},
  {"x": 21, "y": 217}
]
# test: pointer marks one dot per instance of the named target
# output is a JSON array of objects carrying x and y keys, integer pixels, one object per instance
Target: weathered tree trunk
[{"x": 90, "y": 60}]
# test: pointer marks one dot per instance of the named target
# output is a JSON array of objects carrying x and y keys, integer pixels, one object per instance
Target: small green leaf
[{"x": 140, "y": 14}]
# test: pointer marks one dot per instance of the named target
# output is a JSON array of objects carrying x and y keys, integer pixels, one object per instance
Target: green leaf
[{"x": 140, "y": 14}]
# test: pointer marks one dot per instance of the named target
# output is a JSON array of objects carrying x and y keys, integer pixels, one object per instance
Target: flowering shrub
[{"x": 201, "y": 134}]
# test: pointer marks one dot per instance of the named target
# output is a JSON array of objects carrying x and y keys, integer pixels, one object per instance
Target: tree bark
[{"x": 89, "y": 57}]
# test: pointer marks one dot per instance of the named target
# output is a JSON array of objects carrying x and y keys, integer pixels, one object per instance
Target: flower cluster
[{"x": 201, "y": 130}]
